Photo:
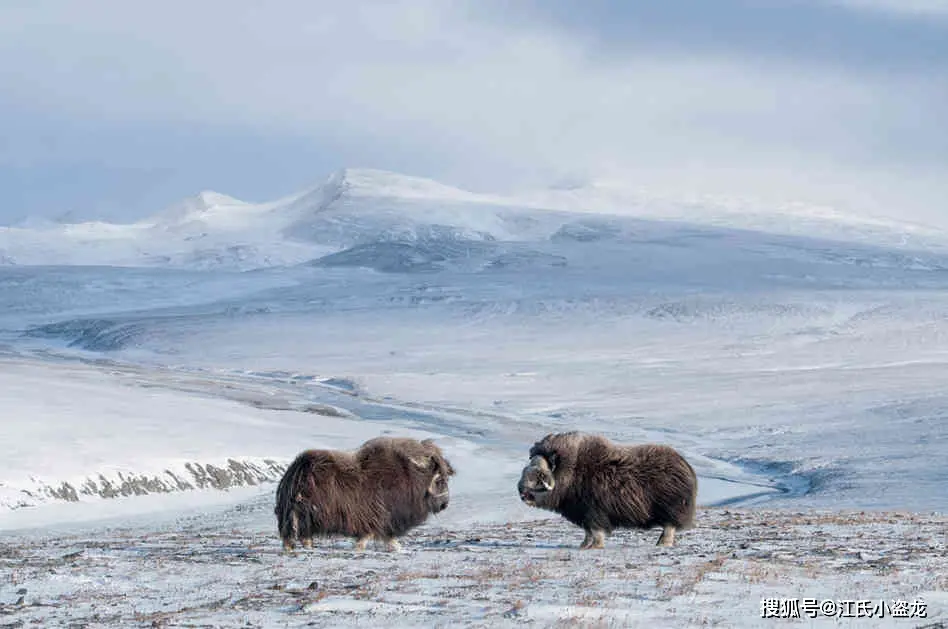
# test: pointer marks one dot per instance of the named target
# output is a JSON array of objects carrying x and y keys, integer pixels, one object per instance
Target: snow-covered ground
[
  {"x": 796, "y": 356},
  {"x": 739, "y": 568}
]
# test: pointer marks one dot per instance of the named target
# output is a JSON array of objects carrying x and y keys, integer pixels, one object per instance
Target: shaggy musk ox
[
  {"x": 601, "y": 486},
  {"x": 382, "y": 490}
]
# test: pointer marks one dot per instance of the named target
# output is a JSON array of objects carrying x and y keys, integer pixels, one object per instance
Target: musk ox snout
[
  {"x": 536, "y": 481},
  {"x": 438, "y": 495},
  {"x": 438, "y": 505}
]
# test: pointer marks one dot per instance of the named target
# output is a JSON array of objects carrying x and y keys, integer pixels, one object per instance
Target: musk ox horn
[
  {"x": 550, "y": 457},
  {"x": 540, "y": 461},
  {"x": 421, "y": 462},
  {"x": 433, "y": 459}
]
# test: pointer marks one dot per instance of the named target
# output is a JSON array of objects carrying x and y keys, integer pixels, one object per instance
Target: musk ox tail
[{"x": 294, "y": 519}]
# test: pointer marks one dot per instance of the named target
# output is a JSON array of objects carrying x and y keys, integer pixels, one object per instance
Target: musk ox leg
[
  {"x": 393, "y": 545},
  {"x": 667, "y": 537},
  {"x": 586, "y": 540},
  {"x": 362, "y": 542},
  {"x": 599, "y": 539},
  {"x": 594, "y": 539},
  {"x": 307, "y": 542},
  {"x": 293, "y": 530}
]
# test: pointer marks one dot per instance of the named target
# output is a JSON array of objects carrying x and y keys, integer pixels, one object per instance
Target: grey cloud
[
  {"x": 814, "y": 32},
  {"x": 438, "y": 89}
]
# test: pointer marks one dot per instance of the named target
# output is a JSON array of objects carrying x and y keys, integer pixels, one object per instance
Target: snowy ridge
[
  {"x": 370, "y": 183},
  {"x": 202, "y": 206},
  {"x": 791, "y": 218},
  {"x": 177, "y": 476},
  {"x": 358, "y": 207}
]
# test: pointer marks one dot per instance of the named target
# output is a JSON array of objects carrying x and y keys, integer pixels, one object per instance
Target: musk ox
[
  {"x": 380, "y": 491},
  {"x": 601, "y": 486}
]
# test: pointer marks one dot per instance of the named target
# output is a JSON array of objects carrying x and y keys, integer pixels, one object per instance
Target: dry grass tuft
[{"x": 684, "y": 580}]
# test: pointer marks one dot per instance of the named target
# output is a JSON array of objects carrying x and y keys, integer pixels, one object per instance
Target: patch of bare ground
[{"x": 529, "y": 574}]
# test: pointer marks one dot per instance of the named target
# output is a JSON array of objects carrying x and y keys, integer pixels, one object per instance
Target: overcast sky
[{"x": 115, "y": 109}]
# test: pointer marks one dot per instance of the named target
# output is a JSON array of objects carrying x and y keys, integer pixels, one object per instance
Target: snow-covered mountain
[{"x": 361, "y": 216}]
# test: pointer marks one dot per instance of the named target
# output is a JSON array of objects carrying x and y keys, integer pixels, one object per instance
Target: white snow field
[{"x": 155, "y": 379}]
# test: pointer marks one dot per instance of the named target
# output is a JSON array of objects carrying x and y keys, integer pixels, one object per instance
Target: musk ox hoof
[
  {"x": 667, "y": 538},
  {"x": 392, "y": 545},
  {"x": 593, "y": 540}
]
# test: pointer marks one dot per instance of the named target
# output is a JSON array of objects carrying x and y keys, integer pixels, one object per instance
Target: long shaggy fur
[
  {"x": 382, "y": 490},
  {"x": 602, "y": 486}
]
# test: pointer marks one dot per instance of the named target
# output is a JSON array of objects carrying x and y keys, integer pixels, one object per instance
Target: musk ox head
[
  {"x": 424, "y": 463},
  {"x": 430, "y": 461},
  {"x": 536, "y": 482}
]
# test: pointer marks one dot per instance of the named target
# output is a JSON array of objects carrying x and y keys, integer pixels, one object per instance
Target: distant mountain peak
[
  {"x": 371, "y": 182},
  {"x": 359, "y": 186},
  {"x": 210, "y": 198},
  {"x": 194, "y": 207}
]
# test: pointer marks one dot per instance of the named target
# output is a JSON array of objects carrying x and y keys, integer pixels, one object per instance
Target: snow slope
[{"x": 112, "y": 430}]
